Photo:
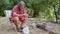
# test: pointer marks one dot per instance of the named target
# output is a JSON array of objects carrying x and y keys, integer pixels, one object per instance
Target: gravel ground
[{"x": 8, "y": 28}]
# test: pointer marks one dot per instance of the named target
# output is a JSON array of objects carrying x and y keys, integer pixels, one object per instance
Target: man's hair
[{"x": 20, "y": 3}]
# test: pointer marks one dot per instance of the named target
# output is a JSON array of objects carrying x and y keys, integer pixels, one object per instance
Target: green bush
[{"x": 35, "y": 8}]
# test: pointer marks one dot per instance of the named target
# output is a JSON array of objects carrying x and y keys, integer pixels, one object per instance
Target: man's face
[{"x": 22, "y": 5}]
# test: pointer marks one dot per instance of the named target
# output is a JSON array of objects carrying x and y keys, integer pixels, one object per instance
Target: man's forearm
[
  {"x": 20, "y": 14},
  {"x": 16, "y": 15}
]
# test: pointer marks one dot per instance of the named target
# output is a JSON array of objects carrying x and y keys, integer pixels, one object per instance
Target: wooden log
[{"x": 45, "y": 28}]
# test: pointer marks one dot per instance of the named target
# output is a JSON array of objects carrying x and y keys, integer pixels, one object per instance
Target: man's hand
[{"x": 25, "y": 15}]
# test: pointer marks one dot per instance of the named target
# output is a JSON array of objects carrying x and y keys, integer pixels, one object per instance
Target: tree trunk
[{"x": 55, "y": 13}]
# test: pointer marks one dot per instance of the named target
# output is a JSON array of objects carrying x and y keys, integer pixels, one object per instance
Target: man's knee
[
  {"x": 26, "y": 18},
  {"x": 16, "y": 18}
]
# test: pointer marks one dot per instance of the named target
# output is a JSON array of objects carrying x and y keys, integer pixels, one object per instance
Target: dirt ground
[{"x": 8, "y": 28}]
